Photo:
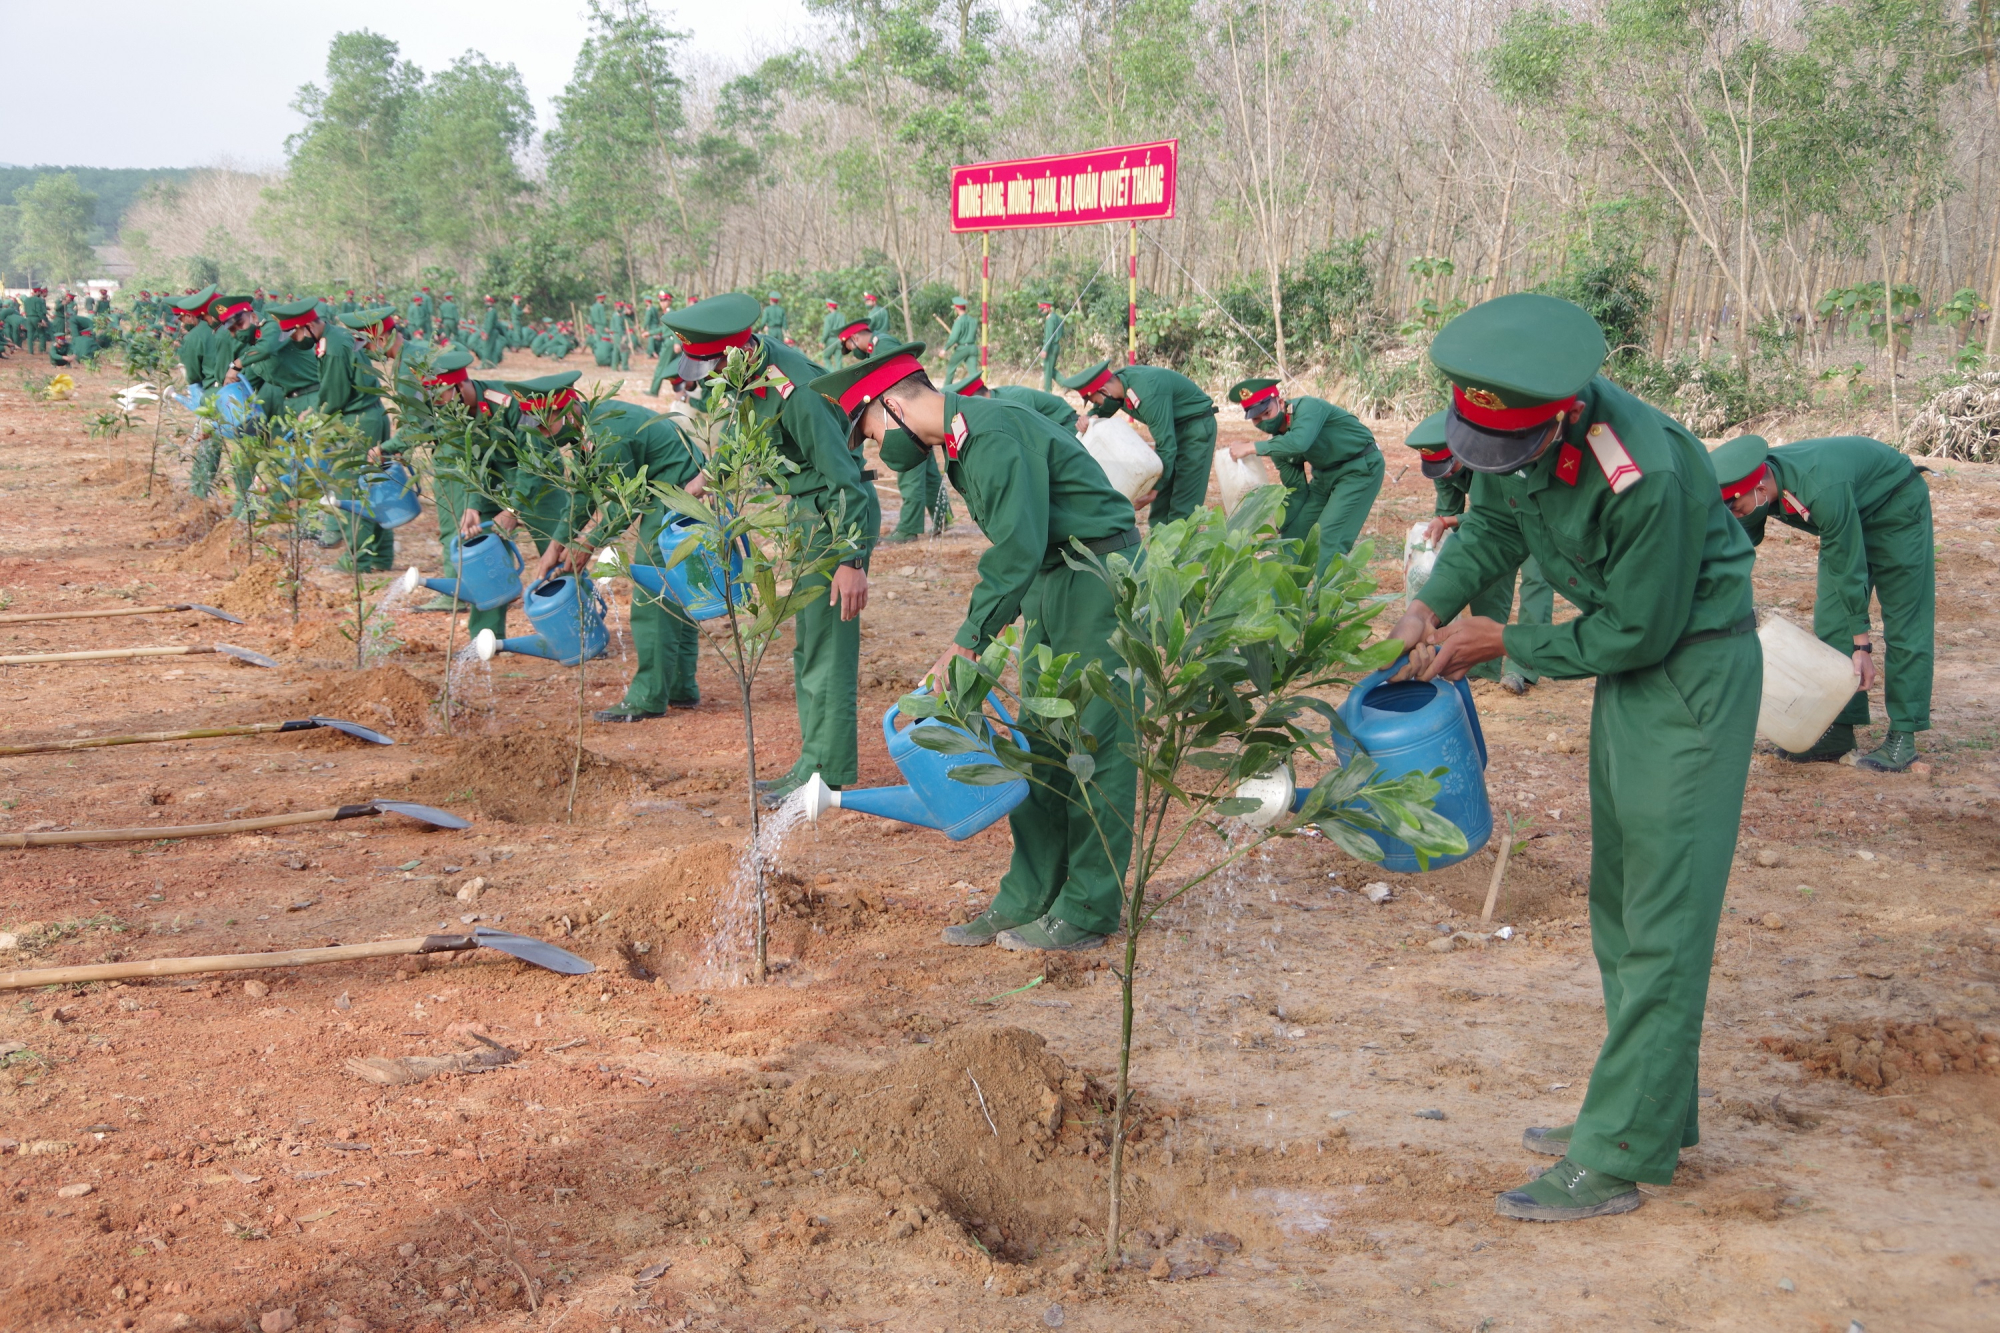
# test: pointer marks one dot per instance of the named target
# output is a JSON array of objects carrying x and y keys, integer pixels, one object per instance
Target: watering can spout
[
  {"x": 1276, "y": 796},
  {"x": 527, "y": 645},
  {"x": 901, "y": 804}
]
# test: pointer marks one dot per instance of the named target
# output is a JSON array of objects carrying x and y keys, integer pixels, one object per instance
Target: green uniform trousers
[
  {"x": 1062, "y": 866},
  {"x": 371, "y": 546},
  {"x": 1538, "y": 607},
  {"x": 662, "y": 372},
  {"x": 830, "y": 354},
  {"x": 922, "y": 489},
  {"x": 1669, "y": 755},
  {"x": 669, "y": 649},
  {"x": 1902, "y": 571},
  {"x": 826, "y": 664},
  {"x": 956, "y": 359},
  {"x": 1187, "y": 489},
  {"x": 1049, "y": 369},
  {"x": 1336, "y": 501}
]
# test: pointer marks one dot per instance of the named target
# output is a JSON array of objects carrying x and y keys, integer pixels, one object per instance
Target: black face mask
[{"x": 1107, "y": 408}]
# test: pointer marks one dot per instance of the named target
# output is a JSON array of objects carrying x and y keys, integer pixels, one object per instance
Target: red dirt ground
[{"x": 894, "y": 1134}]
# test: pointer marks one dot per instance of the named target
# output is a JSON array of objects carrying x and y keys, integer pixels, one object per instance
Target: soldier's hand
[
  {"x": 849, "y": 592},
  {"x": 698, "y": 487},
  {"x": 1414, "y": 629},
  {"x": 507, "y": 521},
  {"x": 1435, "y": 530},
  {"x": 1864, "y": 667},
  {"x": 1242, "y": 449},
  {"x": 468, "y": 524},
  {"x": 552, "y": 556},
  {"x": 1145, "y": 499},
  {"x": 938, "y": 677},
  {"x": 1464, "y": 643}
]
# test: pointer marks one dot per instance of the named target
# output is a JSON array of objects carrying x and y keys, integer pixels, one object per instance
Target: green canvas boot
[
  {"x": 1836, "y": 741},
  {"x": 1548, "y": 1142},
  {"x": 1569, "y": 1192},
  {"x": 982, "y": 929},
  {"x": 1049, "y": 933},
  {"x": 1893, "y": 755}
]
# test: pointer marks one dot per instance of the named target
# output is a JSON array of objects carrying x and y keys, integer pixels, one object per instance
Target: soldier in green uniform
[
  {"x": 876, "y": 314},
  {"x": 1057, "y": 410},
  {"x": 857, "y": 337},
  {"x": 1871, "y": 510},
  {"x": 830, "y": 494},
  {"x": 1453, "y": 484},
  {"x": 445, "y": 376},
  {"x": 1032, "y": 490},
  {"x": 1619, "y": 504},
  {"x": 349, "y": 389},
  {"x": 632, "y": 438},
  {"x": 599, "y": 314},
  {"x": 771, "y": 319},
  {"x": 961, "y": 344},
  {"x": 490, "y": 345},
  {"x": 829, "y": 336},
  {"x": 1178, "y": 415},
  {"x": 238, "y": 333},
  {"x": 448, "y": 325},
  {"x": 1052, "y": 336},
  {"x": 621, "y": 337},
  {"x": 1328, "y": 461},
  {"x": 35, "y": 310}
]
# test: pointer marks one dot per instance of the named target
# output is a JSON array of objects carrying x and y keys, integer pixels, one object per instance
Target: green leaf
[
  {"x": 1083, "y": 766},
  {"x": 1044, "y": 706},
  {"x": 946, "y": 740},
  {"x": 1235, "y": 805},
  {"x": 983, "y": 775}
]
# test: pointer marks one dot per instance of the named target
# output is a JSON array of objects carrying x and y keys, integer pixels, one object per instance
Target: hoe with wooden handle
[
  {"x": 73, "y": 837},
  {"x": 107, "y": 654},
  {"x": 528, "y": 950},
  {"x": 29, "y": 617},
  {"x": 354, "y": 729}
]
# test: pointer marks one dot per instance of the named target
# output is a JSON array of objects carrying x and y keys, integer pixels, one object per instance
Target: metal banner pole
[
  {"x": 985, "y": 293},
  {"x": 1132, "y": 299}
]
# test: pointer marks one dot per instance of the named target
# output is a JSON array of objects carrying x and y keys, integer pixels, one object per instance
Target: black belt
[
  {"x": 1117, "y": 541},
  {"x": 1743, "y": 626}
]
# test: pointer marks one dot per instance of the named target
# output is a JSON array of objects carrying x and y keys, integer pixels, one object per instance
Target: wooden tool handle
[
  {"x": 72, "y": 837},
  {"x": 230, "y": 962},
  {"x": 141, "y": 738},
  {"x": 26, "y": 617},
  {"x": 100, "y": 655}
]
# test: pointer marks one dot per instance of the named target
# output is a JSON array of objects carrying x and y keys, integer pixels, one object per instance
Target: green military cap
[
  {"x": 196, "y": 303},
  {"x": 545, "y": 393},
  {"x": 715, "y": 320},
  {"x": 366, "y": 319},
  {"x": 1739, "y": 464},
  {"x": 1516, "y": 364},
  {"x": 1088, "y": 380},
  {"x": 960, "y": 300},
  {"x": 1258, "y": 398},
  {"x": 1427, "y": 438},
  {"x": 900, "y": 450},
  {"x": 772, "y": 296},
  {"x": 447, "y": 366},
  {"x": 972, "y": 384},
  {"x": 292, "y": 314},
  {"x": 83, "y": 324},
  {"x": 852, "y": 388}
]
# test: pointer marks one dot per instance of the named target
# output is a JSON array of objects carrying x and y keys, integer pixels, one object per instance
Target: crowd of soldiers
[{"x": 1547, "y": 475}]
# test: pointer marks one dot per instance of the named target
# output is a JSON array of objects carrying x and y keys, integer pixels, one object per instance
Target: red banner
[{"x": 1131, "y": 184}]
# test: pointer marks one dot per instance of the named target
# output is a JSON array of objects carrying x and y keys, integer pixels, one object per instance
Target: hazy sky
[{"x": 119, "y": 83}]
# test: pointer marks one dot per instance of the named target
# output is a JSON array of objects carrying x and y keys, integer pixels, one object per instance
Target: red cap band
[
  {"x": 1495, "y": 417},
  {"x": 974, "y": 385},
  {"x": 547, "y": 404},
  {"x": 298, "y": 321},
  {"x": 1747, "y": 484},
  {"x": 858, "y": 326},
  {"x": 231, "y": 312},
  {"x": 1434, "y": 455},
  {"x": 897, "y": 368},
  {"x": 1262, "y": 395},
  {"x": 1096, "y": 384},
  {"x": 459, "y": 376},
  {"x": 718, "y": 347}
]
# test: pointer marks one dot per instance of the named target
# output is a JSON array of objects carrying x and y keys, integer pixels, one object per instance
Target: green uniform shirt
[
  {"x": 285, "y": 373},
  {"x": 1831, "y": 488},
  {"x": 1451, "y": 492},
  {"x": 1052, "y": 406},
  {"x": 813, "y": 435},
  {"x": 448, "y": 315},
  {"x": 630, "y": 437},
  {"x": 1052, "y": 331},
  {"x": 964, "y": 332},
  {"x": 1652, "y": 566},
  {"x": 1318, "y": 434},
  {"x": 878, "y": 320},
  {"x": 1030, "y": 487},
  {"x": 1160, "y": 399},
  {"x": 771, "y": 321}
]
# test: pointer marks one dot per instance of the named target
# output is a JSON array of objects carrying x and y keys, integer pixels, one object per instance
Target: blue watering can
[
  {"x": 932, "y": 799},
  {"x": 235, "y": 407},
  {"x": 389, "y": 497},
  {"x": 489, "y": 571},
  {"x": 696, "y": 583},
  {"x": 552, "y": 608},
  {"x": 1403, "y": 726}
]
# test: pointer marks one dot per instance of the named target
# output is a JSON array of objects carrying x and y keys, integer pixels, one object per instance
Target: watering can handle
[
  {"x": 1462, "y": 685},
  {"x": 889, "y": 720}
]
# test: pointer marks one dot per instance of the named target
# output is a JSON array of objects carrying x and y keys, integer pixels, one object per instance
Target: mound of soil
[
  {"x": 523, "y": 778},
  {"x": 262, "y": 588},
  {"x": 386, "y": 698},
  {"x": 219, "y": 552},
  {"x": 985, "y": 1128},
  {"x": 1881, "y": 1056}
]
